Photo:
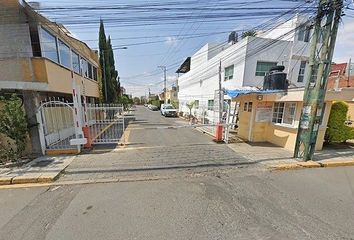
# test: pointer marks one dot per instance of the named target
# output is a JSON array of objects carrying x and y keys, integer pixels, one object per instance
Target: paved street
[
  {"x": 202, "y": 190},
  {"x": 155, "y": 152},
  {"x": 242, "y": 204}
]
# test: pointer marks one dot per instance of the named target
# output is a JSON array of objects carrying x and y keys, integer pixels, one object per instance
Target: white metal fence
[
  {"x": 106, "y": 123},
  {"x": 59, "y": 122},
  {"x": 56, "y": 124}
]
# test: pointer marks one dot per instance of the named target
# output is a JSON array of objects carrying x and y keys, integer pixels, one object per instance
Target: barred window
[{"x": 284, "y": 113}]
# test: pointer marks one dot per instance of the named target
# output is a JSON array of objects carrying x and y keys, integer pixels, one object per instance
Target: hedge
[{"x": 337, "y": 131}]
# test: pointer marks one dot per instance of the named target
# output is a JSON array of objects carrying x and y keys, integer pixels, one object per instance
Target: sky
[{"x": 156, "y": 36}]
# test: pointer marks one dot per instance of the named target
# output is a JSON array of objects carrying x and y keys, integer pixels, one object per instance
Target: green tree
[
  {"x": 114, "y": 81},
  {"x": 137, "y": 101},
  {"x": 337, "y": 131},
  {"x": 109, "y": 72},
  {"x": 249, "y": 33},
  {"x": 14, "y": 126},
  {"x": 190, "y": 106}
]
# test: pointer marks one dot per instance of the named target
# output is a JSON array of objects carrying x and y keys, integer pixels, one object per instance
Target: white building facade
[{"x": 243, "y": 63}]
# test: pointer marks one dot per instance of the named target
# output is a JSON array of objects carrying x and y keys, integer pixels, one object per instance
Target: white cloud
[{"x": 171, "y": 41}]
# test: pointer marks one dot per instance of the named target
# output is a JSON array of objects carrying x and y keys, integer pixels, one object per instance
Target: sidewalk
[
  {"x": 277, "y": 158},
  {"x": 40, "y": 170}
]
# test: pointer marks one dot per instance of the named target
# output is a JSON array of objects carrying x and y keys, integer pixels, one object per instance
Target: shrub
[
  {"x": 337, "y": 131},
  {"x": 12, "y": 125}
]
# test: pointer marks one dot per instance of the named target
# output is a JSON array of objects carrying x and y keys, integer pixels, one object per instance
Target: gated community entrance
[{"x": 64, "y": 127}]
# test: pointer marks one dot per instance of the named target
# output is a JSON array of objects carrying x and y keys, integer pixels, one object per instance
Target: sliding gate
[{"x": 106, "y": 123}]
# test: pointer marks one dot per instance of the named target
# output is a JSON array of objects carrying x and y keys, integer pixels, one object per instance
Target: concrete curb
[
  {"x": 38, "y": 178},
  {"x": 28, "y": 175},
  {"x": 312, "y": 164}
]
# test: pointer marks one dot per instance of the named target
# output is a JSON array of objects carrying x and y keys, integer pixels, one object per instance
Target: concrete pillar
[{"x": 31, "y": 101}]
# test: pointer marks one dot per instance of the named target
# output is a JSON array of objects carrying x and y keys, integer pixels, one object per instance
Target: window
[
  {"x": 278, "y": 113},
  {"x": 76, "y": 62},
  {"x": 289, "y": 113},
  {"x": 314, "y": 73},
  {"x": 94, "y": 72},
  {"x": 210, "y": 104},
  {"x": 284, "y": 113},
  {"x": 64, "y": 52},
  {"x": 89, "y": 69},
  {"x": 301, "y": 76},
  {"x": 263, "y": 67},
  {"x": 196, "y": 104},
  {"x": 49, "y": 46},
  {"x": 229, "y": 73},
  {"x": 304, "y": 34},
  {"x": 245, "y": 107},
  {"x": 249, "y": 107},
  {"x": 84, "y": 67}
]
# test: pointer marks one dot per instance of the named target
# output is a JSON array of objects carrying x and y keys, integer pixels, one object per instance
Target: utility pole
[
  {"x": 349, "y": 71},
  {"x": 164, "y": 82},
  {"x": 329, "y": 13},
  {"x": 220, "y": 95}
]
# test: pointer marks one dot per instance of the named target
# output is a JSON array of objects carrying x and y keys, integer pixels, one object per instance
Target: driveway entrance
[{"x": 153, "y": 143}]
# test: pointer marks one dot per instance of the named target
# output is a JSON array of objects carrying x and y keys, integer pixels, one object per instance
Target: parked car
[
  {"x": 168, "y": 110},
  {"x": 153, "y": 107}
]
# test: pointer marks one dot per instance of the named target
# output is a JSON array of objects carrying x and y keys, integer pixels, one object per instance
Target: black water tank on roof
[{"x": 275, "y": 79}]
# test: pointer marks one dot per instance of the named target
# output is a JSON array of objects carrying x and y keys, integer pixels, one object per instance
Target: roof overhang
[{"x": 185, "y": 67}]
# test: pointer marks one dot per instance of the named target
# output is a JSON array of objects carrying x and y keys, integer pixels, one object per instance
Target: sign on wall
[{"x": 264, "y": 113}]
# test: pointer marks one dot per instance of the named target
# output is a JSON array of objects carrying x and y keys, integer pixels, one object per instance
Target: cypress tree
[
  {"x": 104, "y": 63},
  {"x": 113, "y": 72}
]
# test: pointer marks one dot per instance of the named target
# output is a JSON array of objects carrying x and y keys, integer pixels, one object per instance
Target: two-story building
[
  {"x": 40, "y": 59},
  {"x": 243, "y": 63}
]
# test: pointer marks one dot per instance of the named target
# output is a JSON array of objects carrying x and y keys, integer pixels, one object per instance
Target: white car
[{"x": 168, "y": 110}]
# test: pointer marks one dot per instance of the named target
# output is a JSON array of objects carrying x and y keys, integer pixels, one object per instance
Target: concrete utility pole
[
  {"x": 349, "y": 71},
  {"x": 329, "y": 13},
  {"x": 220, "y": 95},
  {"x": 164, "y": 82}
]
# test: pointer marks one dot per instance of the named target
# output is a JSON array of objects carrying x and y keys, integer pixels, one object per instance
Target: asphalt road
[
  {"x": 240, "y": 204},
  {"x": 208, "y": 191},
  {"x": 154, "y": 149}
]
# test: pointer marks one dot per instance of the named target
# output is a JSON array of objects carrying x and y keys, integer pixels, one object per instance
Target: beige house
[
  {"x": 171, "y": 95},
  {"x": 40, "y": 59},
  {"x": 274, "y": 117}
]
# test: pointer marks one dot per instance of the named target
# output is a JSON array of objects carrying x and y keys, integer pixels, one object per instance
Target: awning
[{"x": 247, "y": 90}]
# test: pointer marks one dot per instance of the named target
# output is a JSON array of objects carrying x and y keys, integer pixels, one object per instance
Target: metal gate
[
  {"x": 106, "y": 123},
  {"x": 61, "y": 122},
  {"x": 56, "y": 125}
]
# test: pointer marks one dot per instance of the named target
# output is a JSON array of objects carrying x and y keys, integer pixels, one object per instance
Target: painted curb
[
  {"x": 337, "y": 163},
  {"x": 311, "y": 164}
]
